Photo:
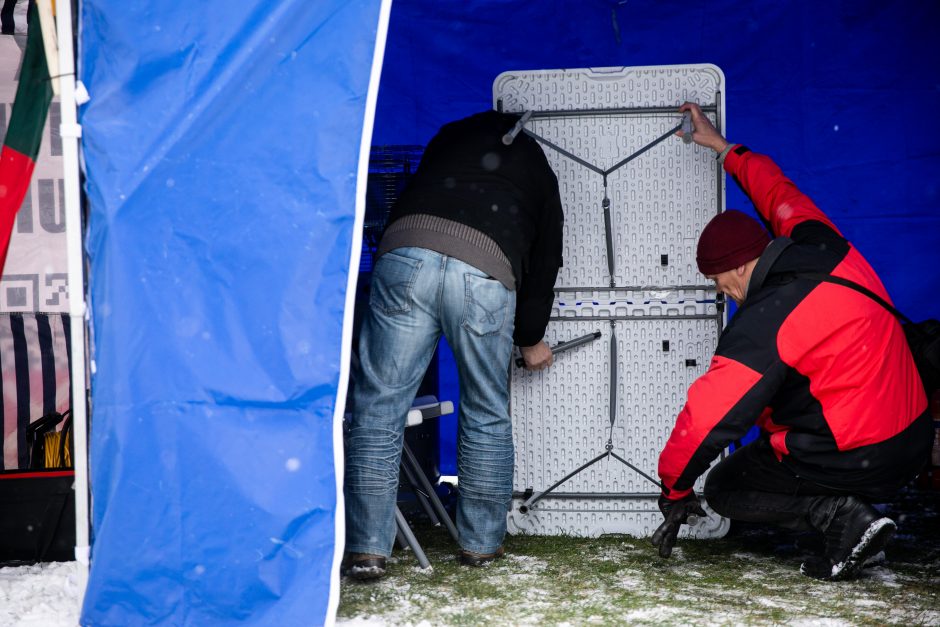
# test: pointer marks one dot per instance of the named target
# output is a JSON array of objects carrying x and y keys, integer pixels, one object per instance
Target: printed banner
[{"x": 36, "y": 274}]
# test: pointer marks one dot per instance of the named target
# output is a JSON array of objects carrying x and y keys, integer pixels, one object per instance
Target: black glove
[{"x": 675, "y": 513}]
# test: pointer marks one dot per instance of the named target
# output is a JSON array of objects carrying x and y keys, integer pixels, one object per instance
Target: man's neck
[{"x": 748, "y": 273}]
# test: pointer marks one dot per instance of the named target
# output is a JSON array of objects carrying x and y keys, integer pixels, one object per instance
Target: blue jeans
[{"x": 417, "y": 294}]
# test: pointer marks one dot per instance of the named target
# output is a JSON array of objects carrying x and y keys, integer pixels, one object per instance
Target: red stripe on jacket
[
  {"x": 710, "y": 398},
  {"x": 854, "y": 353},
  {"x": 776, "y": 198},
  {"x": 778, "y": 433}
]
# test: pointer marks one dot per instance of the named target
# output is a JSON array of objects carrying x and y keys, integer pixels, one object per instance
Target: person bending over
[{"x": 472, "y": 252}]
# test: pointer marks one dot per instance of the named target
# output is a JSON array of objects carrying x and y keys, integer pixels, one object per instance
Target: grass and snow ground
[{"x": 750, "y": 577}]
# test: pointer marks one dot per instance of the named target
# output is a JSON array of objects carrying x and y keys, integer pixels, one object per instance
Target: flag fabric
[{"x": 24, "y": 134}]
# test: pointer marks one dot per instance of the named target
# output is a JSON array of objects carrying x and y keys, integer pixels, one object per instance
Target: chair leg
[
  {"x": 418, "y": 492},
  {"x": 405, "y": 531},
  {"x": 408, "y": 456}
]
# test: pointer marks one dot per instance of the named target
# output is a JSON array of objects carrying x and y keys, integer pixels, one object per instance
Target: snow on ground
[
  {"x": 42, "y": 595},
  {"x": 46, "y": 595}
]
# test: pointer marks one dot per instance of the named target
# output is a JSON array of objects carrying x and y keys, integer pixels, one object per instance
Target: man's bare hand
[
  {"x": 703, "y": 133},
  {"x": 537, "y": 357}
]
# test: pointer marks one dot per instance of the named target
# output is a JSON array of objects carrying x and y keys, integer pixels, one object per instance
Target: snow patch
[{"x": 41, "y": 595}]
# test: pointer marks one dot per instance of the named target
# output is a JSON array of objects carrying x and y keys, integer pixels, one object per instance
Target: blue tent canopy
[
  {"x": 222, "y": 148},
  {"x": 840, "y": 94}
]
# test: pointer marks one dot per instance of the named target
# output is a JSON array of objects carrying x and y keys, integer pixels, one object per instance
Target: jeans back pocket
[
  {"x": 486, "y": 305},
  {"x": 393, "y": 281}
]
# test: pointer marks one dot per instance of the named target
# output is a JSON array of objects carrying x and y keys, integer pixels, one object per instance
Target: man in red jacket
[{"x": 824, "y": 370}]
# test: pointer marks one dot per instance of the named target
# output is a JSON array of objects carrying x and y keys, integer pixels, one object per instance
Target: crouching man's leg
[{"x": 752, "y": 485}]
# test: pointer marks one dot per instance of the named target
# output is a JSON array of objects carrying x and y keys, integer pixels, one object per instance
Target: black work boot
[
  {"x": 854, "y": 531},
  {"x": 363, "y": 566}
]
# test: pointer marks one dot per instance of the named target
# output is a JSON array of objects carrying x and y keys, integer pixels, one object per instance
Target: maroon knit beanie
[{"x": 729, "y": 240}]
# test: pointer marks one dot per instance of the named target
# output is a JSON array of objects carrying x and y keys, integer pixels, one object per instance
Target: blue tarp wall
[
  {"x": 844, "y": 95},
  {"x": 221, "y": 148}
]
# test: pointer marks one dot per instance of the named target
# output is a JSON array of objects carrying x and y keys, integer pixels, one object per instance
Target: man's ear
[{"x": 741, "y": 270}]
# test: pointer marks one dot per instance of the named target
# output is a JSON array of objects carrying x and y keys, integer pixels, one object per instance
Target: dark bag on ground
[
  {"x": 924, "y": 340},
  {"x": 37, "y": 506},
  {"x": 37, "y": 516}
]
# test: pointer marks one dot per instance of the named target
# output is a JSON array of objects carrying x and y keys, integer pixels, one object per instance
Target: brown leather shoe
[
  {"x": 363, "y": 566},
  {"x": 469, "y": 558}
]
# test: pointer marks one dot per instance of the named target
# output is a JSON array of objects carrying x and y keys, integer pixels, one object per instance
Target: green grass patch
[{"x": 750, "y": 577}]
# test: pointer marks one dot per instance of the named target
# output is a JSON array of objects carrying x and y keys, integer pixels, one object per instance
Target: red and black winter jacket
[{"x": 824, "y": 370}]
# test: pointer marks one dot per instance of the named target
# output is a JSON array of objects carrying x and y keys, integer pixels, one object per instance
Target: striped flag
[{"x": 24, "y": 134}]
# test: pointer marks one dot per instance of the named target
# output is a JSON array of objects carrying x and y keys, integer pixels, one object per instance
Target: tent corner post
[{"x": 70, "y": 131}]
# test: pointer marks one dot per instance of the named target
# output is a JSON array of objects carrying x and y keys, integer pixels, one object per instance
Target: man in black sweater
[{"x": 472, "y": 250}]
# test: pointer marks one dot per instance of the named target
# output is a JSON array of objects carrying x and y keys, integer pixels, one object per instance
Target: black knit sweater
[{"x": 509, "y": 193}]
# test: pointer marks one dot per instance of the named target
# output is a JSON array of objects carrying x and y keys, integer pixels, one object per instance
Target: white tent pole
[{"x": 70, "y": 131}]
